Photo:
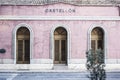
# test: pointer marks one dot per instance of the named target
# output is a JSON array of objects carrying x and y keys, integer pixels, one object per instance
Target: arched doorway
[
  {"x": 60, "y": 46},
  {"x": 23, "y": 46},
  {"x": 97, "y": 39}
]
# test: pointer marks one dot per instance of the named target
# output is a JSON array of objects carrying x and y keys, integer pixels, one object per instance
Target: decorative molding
[
  {"x": 14, "y": 40},
  {"x": 109, "y": 18},
  {"x": 74, "y": 2}
]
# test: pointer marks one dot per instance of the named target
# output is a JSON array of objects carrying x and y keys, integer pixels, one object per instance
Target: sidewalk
[
  {"x": 55, "y": 74},
  {"x": 26, "y": 75}
]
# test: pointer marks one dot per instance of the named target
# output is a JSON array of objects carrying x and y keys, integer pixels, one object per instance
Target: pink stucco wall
[
  {"x": 78, "y": 29},
  {"x": 78, "y": 34},
  {"x": 41, "y": 10}
]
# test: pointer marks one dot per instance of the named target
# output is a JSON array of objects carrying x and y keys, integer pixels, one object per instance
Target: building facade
[{"x": 39, "y": 35}]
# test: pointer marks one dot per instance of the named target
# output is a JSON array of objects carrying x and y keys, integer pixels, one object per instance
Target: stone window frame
[
  {"x": 105, "y": 39},
  {"x": 52, "y": 43},
  {"x": 14, "y": 40}
]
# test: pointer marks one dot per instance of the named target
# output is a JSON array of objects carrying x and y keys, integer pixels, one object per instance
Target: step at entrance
[{"x": 60, "y": 67}]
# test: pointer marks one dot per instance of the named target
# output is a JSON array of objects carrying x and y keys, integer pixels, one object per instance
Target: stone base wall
[
  {"x": 42, "y": 67},
  {"x": 47, "y": 64}
]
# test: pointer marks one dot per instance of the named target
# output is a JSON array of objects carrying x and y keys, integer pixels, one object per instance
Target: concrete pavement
[{"x": 53, "y": 76}]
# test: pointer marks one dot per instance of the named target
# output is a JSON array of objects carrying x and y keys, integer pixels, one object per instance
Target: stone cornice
[
  {"x": 74, "y": 2},
  {"x": 91, "y": 18}
]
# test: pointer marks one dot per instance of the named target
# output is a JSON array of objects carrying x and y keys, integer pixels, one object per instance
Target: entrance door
[
  {"x": 60, "y": 46},
  {"x": 23, "y": 46},
  {"x": 97, "y": 42},
  {"x": 60, "y": 51}
]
